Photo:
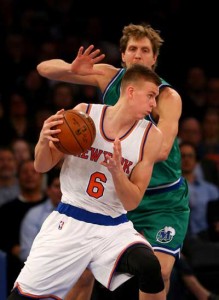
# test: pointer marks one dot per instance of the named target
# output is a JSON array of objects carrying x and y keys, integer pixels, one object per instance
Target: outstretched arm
[{"x": 85, "y": 69}]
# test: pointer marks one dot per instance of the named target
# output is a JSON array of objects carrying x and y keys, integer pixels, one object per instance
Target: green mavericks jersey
[
  {"x": 164, "y": 173},
  {"x": 163, "y": 214}
]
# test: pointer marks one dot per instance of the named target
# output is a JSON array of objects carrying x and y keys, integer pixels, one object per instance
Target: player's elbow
[
  {"x": 40, "y": 168},
  {"x": 41, "y": 68},
  {"x": 163, "y": 155},
  {"x": 132, "y": 204}
]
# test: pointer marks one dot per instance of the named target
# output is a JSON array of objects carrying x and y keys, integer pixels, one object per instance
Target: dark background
[{"x": 189, "y": 29}]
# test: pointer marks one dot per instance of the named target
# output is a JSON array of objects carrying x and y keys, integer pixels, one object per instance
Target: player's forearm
[
  {"x": 54, "y": 69},
  {"x": 43, "y": 157},
  {"x": 128, "y": 193},
  {"x": 169, "y": 135}
]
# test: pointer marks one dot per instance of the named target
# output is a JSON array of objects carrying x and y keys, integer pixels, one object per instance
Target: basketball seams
[
  {"x": 93, "y": 133},
  {"x": 88, "y": 122},
  {"x": 62, "y": 148},
  {"x": 74, "y": 135},
  {"x": 59, "y": 145},
  {"x": 77, "y": 134}
]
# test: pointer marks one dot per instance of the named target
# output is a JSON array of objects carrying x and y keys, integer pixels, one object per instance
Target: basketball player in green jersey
[{"x": 163, "y": 213}]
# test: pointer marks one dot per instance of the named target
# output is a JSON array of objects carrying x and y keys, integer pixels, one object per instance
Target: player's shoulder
[
  {"x": 81, "y": 107},
  {"x": 167, "y": 89},
  {"x": 169, "y": 93},
  {"x": 154, "y": 141}
]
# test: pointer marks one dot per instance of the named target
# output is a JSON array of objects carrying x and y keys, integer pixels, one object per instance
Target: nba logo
[{"x": 61, "y": 224}]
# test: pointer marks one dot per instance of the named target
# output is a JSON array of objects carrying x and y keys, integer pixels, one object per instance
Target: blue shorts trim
[
  {"x": 174, "y": 253},
  {"x": 90, "y": 217}
]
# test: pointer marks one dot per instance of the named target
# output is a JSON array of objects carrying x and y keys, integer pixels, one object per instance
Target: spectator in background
[
  {"x": 35, "y": 217},
  {"x": 200, "y": 191},
  {"x": 210, "y": 129},
  {"x": 17, "y": 119},
  {"x": 69, "y": 46},
  {"x": 66, "y": 95},
  {"x": 35, "y": 90},
  {"x": 212, "y": 232},
  {"x": 62, "y": 96},
  {"x": 22, "y": 150},
  {"x": 209, "y": 146},
  {"x": 213, "y": 93},
  {"x": 93, "y": 34},
  {"x": 186, "y": 285},
  {"x": 12, "y": 213},
  {"x": 190, "y": 131},
  {"x": 39, "y": 118},
  {"x": 202, "y": 250},
  {"x": 34, "y": 23},
  {"x": 16, "y": 59},
  {"x": 48, "y": 49},
  {"x": 194, "y": 93},
  {"x": 90, "y": 93},
  {"x": 9, "y": 187}
]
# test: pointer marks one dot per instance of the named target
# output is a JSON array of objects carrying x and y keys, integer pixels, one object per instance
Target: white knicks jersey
[{"x": 85, "y": 183}]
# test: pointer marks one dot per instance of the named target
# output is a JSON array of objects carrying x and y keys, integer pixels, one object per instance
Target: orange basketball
[{"x": 77, "y": 134}]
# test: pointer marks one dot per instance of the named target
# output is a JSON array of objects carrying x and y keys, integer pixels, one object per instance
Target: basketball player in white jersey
[{"x": 90, "y": 229}]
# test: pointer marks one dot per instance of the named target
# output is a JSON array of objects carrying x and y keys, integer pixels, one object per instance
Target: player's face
[
  {"x": 144, "y": 98},
  {"x": 188, "y": 159},
  {"x": 8, "y": 166},
  {"x": 29, "y": 179},
  {"x": 139, "y": 52}
]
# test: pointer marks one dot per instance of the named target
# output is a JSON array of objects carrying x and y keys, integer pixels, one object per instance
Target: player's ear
[
  {"x": 154, "y": 59},
  {"x": 122, "y": 57},
  {"x": 130, "y": 91}
]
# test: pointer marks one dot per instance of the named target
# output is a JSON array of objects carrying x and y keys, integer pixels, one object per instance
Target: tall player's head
[{"x": 140, "y": 44}]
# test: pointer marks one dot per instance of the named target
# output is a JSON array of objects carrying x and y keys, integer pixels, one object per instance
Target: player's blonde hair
[{"x": 136, "y": 73}]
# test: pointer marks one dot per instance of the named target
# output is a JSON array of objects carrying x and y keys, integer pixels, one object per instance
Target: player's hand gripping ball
[{"x": 77, "y": 134}]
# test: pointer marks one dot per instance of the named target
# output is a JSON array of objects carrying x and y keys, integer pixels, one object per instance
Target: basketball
[{"x": 77, "y": 134}]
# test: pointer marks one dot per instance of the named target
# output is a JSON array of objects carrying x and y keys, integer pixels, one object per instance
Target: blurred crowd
[{"x": 41, "y": 30}]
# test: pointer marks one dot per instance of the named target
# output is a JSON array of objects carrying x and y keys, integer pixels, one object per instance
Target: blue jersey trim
[
  {"x": 90, "y": 217},
  {"x": 110, "y": 84},
  {"x": 165, "y": 189}
]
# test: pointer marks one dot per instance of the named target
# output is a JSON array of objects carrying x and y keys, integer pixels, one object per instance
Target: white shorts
[{"x": 65, "y": 247}]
